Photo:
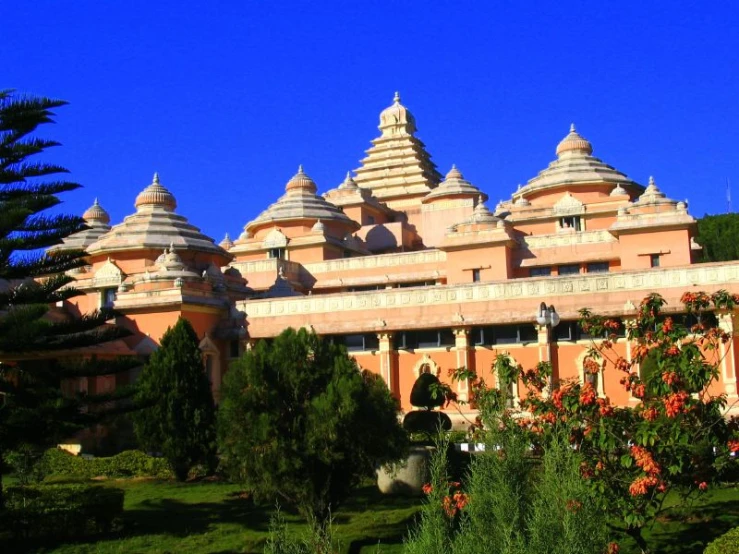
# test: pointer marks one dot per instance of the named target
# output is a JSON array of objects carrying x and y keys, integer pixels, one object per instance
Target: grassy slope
[{"x": 205, "y": 517}]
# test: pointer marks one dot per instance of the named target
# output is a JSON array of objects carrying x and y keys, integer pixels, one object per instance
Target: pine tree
[
  {"x": 36, "y": 351},
  {"x": 299, "y": 422},
  {"x": 179, "y": 420}
]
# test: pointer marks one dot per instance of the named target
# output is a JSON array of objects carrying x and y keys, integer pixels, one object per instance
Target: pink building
[{"x": 410, "y": 269}]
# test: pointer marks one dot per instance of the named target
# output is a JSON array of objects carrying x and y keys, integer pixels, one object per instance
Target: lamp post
[{"x": 547, "y": 318}]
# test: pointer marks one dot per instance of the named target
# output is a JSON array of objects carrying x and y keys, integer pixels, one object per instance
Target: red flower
[
  {"x": 573, "y": 506},
  {"x": 644, "y": 460},
  {"x": 703, "y": 486},
  {"x": 670, "y": 377},
  {"x": 733, "y": 445},
  {"x": 613, "y": 548},
  {"x": 427, "y": 488},
  {"x": 674, "y": 403},
  {"x": 650, "y": 414},
  {"x": 641, "y": 485},
  {"x": 639, "y": 390}
]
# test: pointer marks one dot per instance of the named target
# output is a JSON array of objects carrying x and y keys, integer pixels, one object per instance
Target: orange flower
[
  {"x": 674, "y": 403},
  {"x": 613, "y": 548},
  {"x": 667, "y": 325},
  {"x": 644, "y": 460},
  {"x": 641, "y": 485},
  {"x": 650, "y": 414},
  {"x": 670, "y": 377},
  {"x": 672, "y": 351},
  {"x": 573, "y": 506},
  {"x": 639, "y": 390},
  {"x": 427, "y": 488},
  {"x": 587, "y": 395}
]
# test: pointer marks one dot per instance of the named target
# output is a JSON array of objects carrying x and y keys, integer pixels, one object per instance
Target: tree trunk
[{"x": 635, "y": 533}]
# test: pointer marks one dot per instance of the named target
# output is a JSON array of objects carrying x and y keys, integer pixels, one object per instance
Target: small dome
[
  {"x": 652, "y": 194},
  {"x": 226, "y": 243},
  {"x": 618, "y": 190},
  {"x": 521, "y": 201},
  {"x": 454, "y": 184},
  {"x": 348, "y": 182},
  {"x": 96, "y": 214},
  {"x": 574, "y": 142},
  {"x": 300, "y": 183},
  {"x": 318, "y": 227},
  {"x": 397, "y": 118},
  {"x": 482, "y": 214},
  {"x": 156, "y": 196}
]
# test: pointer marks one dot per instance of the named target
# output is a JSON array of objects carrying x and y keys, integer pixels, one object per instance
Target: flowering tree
[{"x": 674, "y": 438}]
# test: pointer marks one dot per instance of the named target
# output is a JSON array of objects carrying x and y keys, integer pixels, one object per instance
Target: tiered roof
[
  {"x": 575, "y": 164},
  {"x": 300, "y": 202},
  {"x": 156, "y": 226},
  {"x": 98, "y": 221},
  {"x": 455, "y": 186},
  {"x": 397, "y": 165}
]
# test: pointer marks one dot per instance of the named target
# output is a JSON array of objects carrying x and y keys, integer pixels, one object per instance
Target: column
[
  {"x": 386, "y": 361},
  {"x": 462, "y": 347},
  {"x": 545, "y": 352},
  {"x": 727, "y": 323}
]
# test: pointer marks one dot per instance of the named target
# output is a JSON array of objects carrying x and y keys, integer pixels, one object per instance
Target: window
[
  {"x": 365, "y": 288},
  {"x": 370, "y": 220},
  {"x": 570, "y": 222},
  {"x": 540, "y": 271},
  {"x": 567, "y": 331},
  {"x": 592, "y": 379},
  {"x": 358, "y": 342},
  {"x": 475, "y": 275},
  {"x": 597, "y": 267},
  {"x": 278, "y": 253},
  {"x": 570, "y": 269},
  {"x": 654, "y": 260},
  {"x": 107, "y": 298},
  {"x": 416, "y": 284},
  {"x": 503, "y": 334},
  {"x": 426, "y": 338},
  {"x": 209, "y": 368},
  {"x": 234, "y": 349}
]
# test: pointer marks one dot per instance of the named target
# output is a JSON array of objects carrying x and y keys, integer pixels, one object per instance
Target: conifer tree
[
  {"x": 299, "y": 422},
  {"x": 34, "y": 349},
  {"x": 179, "y": 417}
]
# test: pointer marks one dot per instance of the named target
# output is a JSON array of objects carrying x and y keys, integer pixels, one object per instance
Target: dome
[
  {"x": 96, "y": 214},
  {"x": 226, "y": 243},
  {"x": 618, "y": 190},
  {"x": 397, "y": 118},
  {"x": 653, "y": 195},
  {"x": 348, "y": 182},
  {"x": 318, "y": 227},
  {"x": 299, "y": 202},
  {"x": 156, "y": 196},
  {"x": 482, "y": 214},
  {"x": 574, "y": 142},
  {"x": 300, "y": 183},
  {"x": 454, "y": 184}
]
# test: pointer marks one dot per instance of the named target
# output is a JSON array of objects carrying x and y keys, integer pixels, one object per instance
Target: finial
[
  {"x": 171, "y": 246},
  {"x": 227, "y": 237},
  {"x": 396, "y": 98},
  {"x": 300, "y": 169},
  {"x": 454, "y": 166},
  {"x": 156, "y": 177},
  {"x": 651, "y": 180},
  {"x": 96, "y": 202},
  {"x": 572, "y": 128},
  {"x": 348, "y": 176}
]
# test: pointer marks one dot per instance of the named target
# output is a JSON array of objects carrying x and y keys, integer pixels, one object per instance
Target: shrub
[
  {"x": 728, "y": 542},
  {"x": 129, "y": 463},
  {"x": 56, "y": 511}
]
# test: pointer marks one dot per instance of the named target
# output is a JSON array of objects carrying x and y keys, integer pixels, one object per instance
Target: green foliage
[
  {"x": 316, "y": 541},
  {"x": 424, "y": 392},
  {"x": 513, "y": 503},
  {"x": 728, "y": 542},
  {"x": 719, "y": 237},
  {"x": 34, "y": 413},
  {"x": 55, "y": 511},
  {"x": 299, "y": 421},
  {"x": 129, "y": 463},
  {"x": 426, "y": 422},
  {"x": 178, "y": 419}
]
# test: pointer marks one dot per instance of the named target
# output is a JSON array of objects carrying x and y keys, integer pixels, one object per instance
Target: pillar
[
  {"x": 543, "y": 335},
  {"x": 387, "y": 370},
  {"x": 462, "y": 347},
  {"x": 727, "y": 323}
]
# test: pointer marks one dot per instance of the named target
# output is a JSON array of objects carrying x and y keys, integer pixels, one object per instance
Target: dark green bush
[
  {"x": 728, "y": 542},
  {"x": 58, "y": 511},
  {"x": 129, "y": 463},
  {"x": 427, "y": 422},
  {"x": 425, "y": 392}
]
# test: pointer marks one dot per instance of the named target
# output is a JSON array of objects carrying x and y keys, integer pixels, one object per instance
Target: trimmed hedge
[
  {"x": 57, "y": 511},
  {"x": 728, "y": 542},
  {"x": 129, "y": 463}
]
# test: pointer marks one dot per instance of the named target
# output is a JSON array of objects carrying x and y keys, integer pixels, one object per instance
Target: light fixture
[{"x": 547, "y": 315}]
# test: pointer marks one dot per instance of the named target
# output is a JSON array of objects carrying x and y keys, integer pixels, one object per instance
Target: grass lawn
[{"x": 212, "y": 517}]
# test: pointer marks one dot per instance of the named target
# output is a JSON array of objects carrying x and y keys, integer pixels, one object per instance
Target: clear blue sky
[{"x": 226, "y": 98}]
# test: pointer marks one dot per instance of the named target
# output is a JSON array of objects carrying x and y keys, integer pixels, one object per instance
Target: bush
[
  {"x": 728, "y": 542},
  {"x": 57, "y": 511},
  {"x": 129, "y": 463}
]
